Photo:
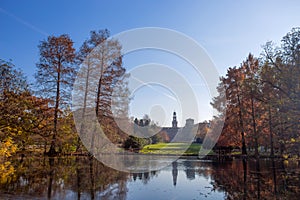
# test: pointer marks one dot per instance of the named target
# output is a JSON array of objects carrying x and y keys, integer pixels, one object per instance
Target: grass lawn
[{"x": 172, "y": 148}]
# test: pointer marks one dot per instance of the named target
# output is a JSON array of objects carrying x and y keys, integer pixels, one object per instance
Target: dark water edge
[{"x": 187, "y": 178}]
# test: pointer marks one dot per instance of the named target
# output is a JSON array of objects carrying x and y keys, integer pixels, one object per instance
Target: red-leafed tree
[{"x": 55, "y": 75}]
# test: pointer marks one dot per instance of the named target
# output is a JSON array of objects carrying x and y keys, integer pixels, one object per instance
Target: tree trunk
[
  {"x": 271, "y": 133},
  {"x": 244, "y": 150},
  {"x": 245, "y": 178},
  {"x": 52, "y": 150},
  {"x": 84, "y": 107},
  {"x": 97, "y": 105},
  {"x": 91, "y": 171},
  {"x": 254, "y": 128}
]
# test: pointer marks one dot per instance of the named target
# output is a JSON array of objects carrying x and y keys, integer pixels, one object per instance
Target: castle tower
[{"x": 174, "y": 122}]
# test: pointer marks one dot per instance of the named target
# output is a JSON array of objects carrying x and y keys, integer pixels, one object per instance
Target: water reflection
[
  {"x": 174, "y": 172},
  {"x": 86, "y": 178},
  {"x": 263, "y": 179}
]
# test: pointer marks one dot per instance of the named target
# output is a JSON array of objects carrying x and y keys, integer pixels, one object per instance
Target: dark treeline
[{"x": 260, "y": 101}]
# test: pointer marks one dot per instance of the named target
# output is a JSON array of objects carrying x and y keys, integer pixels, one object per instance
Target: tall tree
[
  {"x": 284, "y": 63},
  {"x": 102, "y": 84},
  {"x": 14, "y": 91},
  {"x": 11, "y": 79},
  {"x": 251, "y": 91},
  {"x": 235, "y": 104},
  {"x": 241, "y": 91},
  {"x": 270, "y": 98},
  {"x": 55, "y": 75}
]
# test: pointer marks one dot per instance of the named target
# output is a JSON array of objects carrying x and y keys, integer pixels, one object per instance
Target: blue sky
[{"x": 228, "y": 30}]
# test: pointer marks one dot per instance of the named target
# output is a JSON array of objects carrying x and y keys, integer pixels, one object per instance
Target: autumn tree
[
  {"x": 283, "y": 63},
  {"x": 13, "y": 91},
  {"x": 107, "y": 53},
  {"x": 54, "y": 77},
  {"x": 85, "y": 84},
  {"x": 101, "y": 87},
  {"x": 233, "y": 110},
  {"x": 270, "y": 101},
  {"x": 242, "y": 105},
  {"x": 262, "y": 99},
  {"x": 37, "y": 120},
  {"x": 11, "y": 79},
  {"x": 290, "y": 57},
  {"x": 24, "y": 118},
  {"x": 252, "y": 92}
]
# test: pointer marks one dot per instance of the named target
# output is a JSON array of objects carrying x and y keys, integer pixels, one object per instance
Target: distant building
[
  {"x": 189, "y": 122},
  {"x": 172, "y": 131},
  {"x": 174, "y": 122},
  {"x": 189, "y": 128}
]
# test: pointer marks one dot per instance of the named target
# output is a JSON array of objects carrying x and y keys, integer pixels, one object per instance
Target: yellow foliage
[
  {"x": 285, "y": 156},
  {"x": 293, "y": 140},
  {"x": 6, "y": 172},
  {"x": 7, "y": 148}
]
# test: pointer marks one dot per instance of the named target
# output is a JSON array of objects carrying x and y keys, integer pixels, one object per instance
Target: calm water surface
[{"x": 83, "y": 178}]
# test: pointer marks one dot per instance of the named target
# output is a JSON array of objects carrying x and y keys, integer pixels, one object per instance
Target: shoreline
[{"x": 194, "y": 156}]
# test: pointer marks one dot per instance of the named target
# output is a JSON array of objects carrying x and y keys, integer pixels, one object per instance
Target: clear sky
[{"x": 228, "y": 30}]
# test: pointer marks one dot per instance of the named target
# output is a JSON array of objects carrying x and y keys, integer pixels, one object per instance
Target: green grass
[
  {"x": 172, "y": 149},
  {"x": 236, "y": 153}
]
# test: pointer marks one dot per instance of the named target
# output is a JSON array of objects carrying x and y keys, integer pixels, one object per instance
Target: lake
[{"x": 187, "y": 178}]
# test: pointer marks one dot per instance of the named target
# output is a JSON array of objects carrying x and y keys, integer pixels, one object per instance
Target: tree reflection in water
[
  {"x": 174, "y": 173},
  {"x": 263, "y": 179},
  {"x": 65, "y": 178},
  {"x": 86, "y": 178}
]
